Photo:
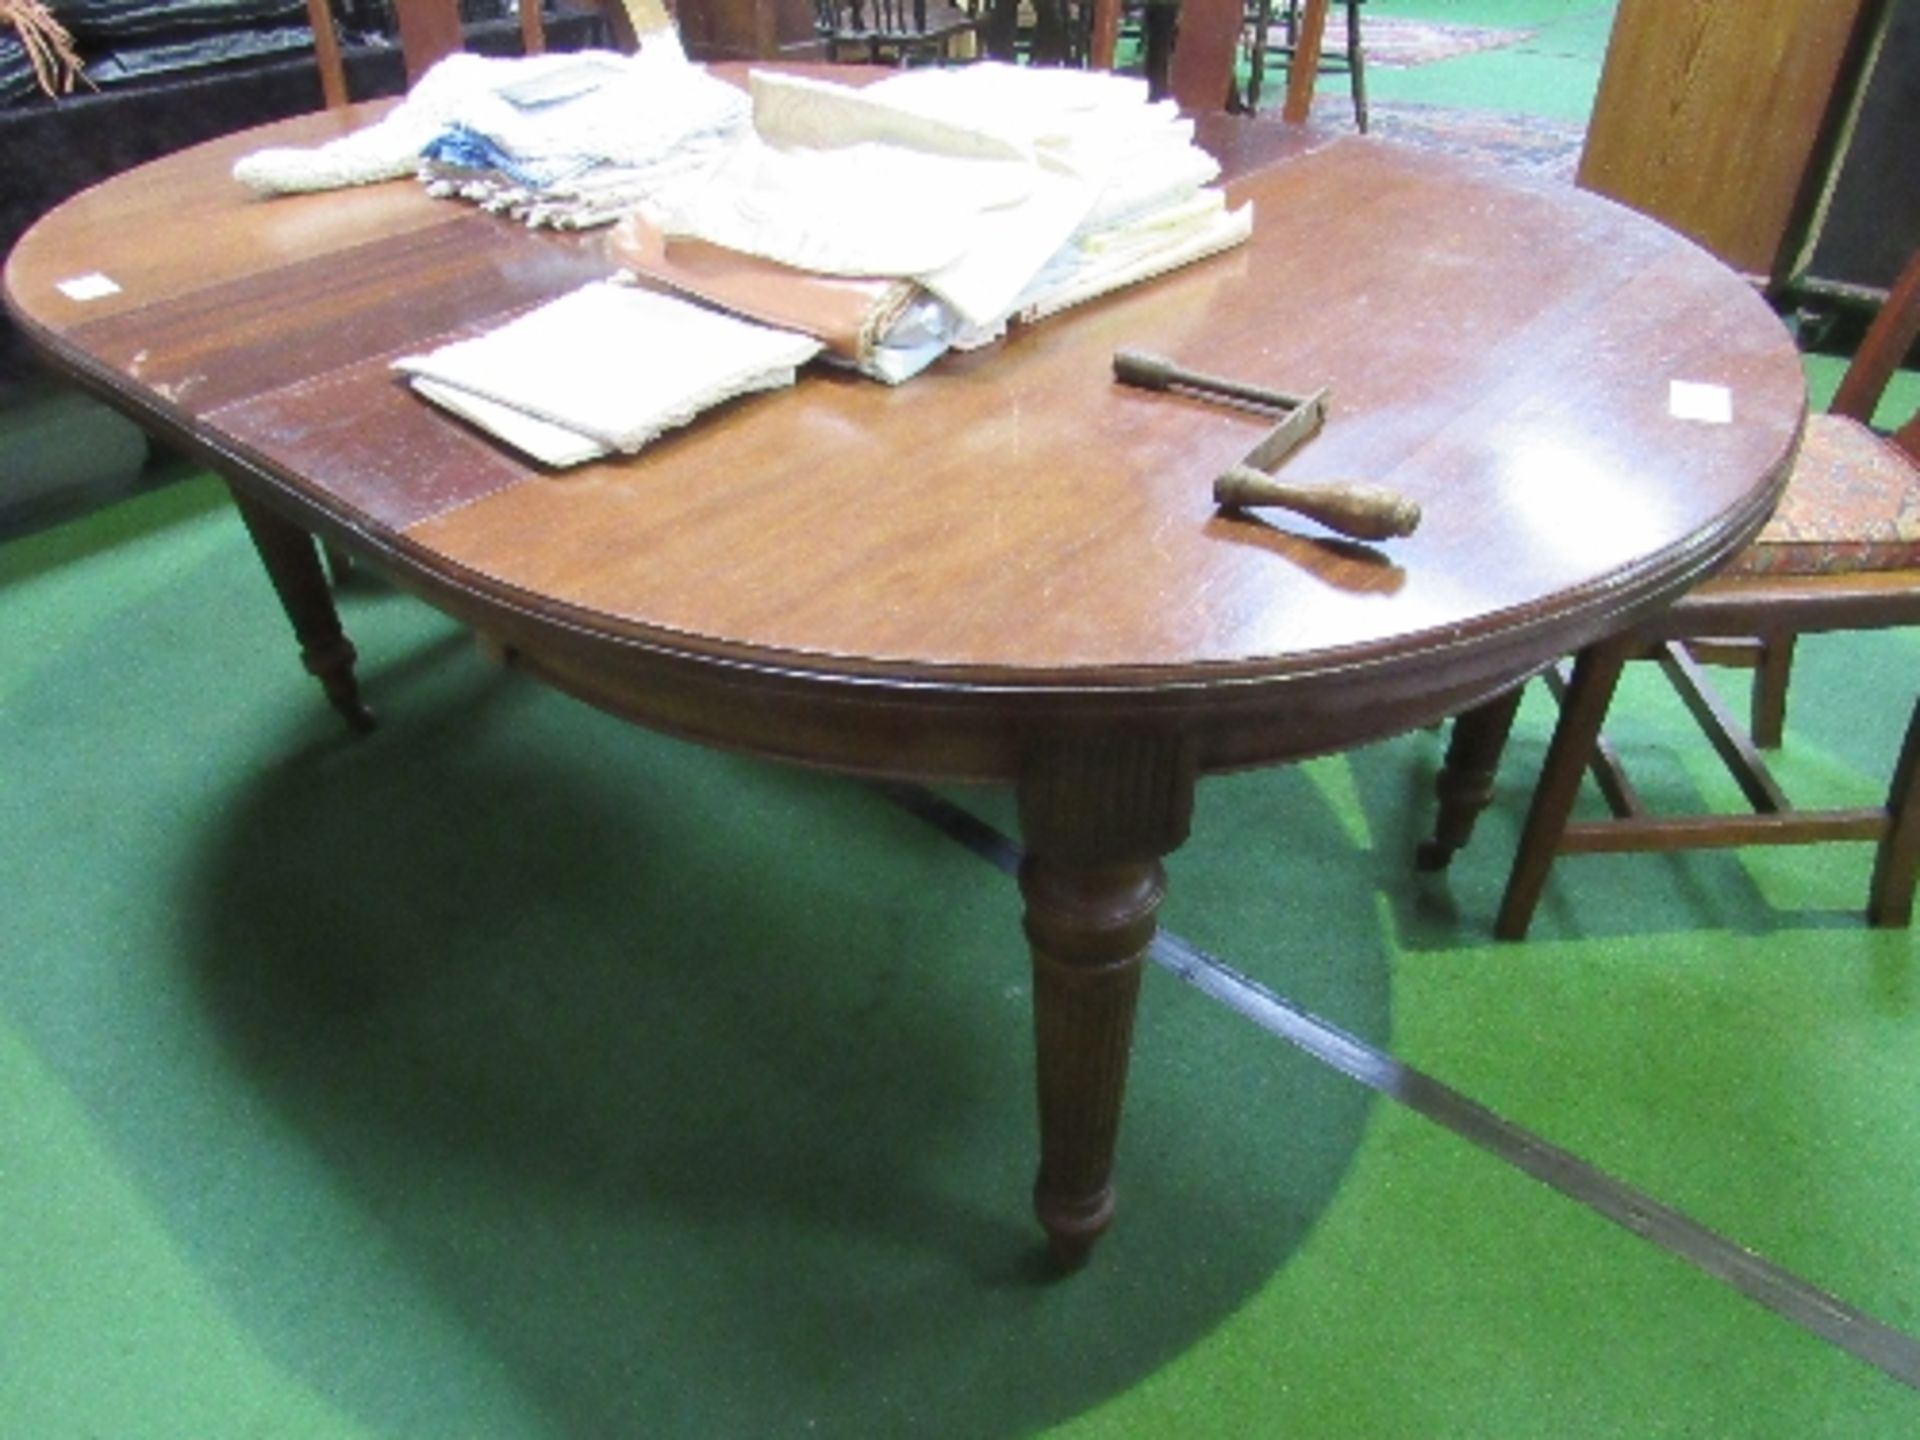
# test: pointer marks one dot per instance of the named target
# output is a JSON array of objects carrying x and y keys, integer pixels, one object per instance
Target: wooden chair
[
  {"x": 1045, "y": 32},
  {"x": 903, "y": 30},
  {"x": 1842, "y": 552},
  {"x": 430, "y": 30},
  {"x": 1297, "y": 55},
  {"x": 1196, "y": 65}
]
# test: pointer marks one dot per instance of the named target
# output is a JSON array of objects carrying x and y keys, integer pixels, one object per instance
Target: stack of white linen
[
  {"x": 605, "y": 368},
  {"x": 996, "y": 193},
  {"x": 1155, "y": 207},
  {"x": 1008, "y": 192},
  {"x": 571, "y": 140}
]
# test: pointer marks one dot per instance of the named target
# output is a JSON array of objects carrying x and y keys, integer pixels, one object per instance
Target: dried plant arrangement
[{"x": 49, "y": 48}]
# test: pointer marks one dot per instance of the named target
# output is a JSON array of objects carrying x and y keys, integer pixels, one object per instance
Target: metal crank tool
[{"x": 1365, "y": 512}]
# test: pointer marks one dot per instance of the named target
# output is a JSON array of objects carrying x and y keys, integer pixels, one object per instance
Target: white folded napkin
[
  {"x": 1153, "y": 244},
  {"x": 975, "y": 181},
  {"x": 637, "y": 112},
  {"x": 605, "y": 368}
]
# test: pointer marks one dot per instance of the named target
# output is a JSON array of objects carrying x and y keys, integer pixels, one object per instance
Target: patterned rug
[
  {"x": 1547, "y": 148},
  {"x": 1395, "y": 44}
]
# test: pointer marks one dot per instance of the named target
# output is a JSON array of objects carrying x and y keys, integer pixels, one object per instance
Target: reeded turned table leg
[
  {"x": 1465, "y": 783},
  {"x": 292, "y": 563},
  {"x": 1089, "y": 930},
  {"x": 1097, "y": 817}
]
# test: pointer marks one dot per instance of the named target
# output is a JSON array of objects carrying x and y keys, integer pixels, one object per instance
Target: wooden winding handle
[
  {"x": 1365, "y": 512},
  {"x": 1152, "y": 372}
]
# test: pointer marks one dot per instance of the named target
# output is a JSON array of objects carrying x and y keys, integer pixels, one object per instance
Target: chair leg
[
  {"x": 339, "y": 565},
  {"x": 1257, "y": 71},
  {"x": 1770, "y": 673},
  {"x": 1465, "y": 782},
  {"x": 1596, "y": 674},
  {"x": 1356, "y": 66},
  {"x": 1890, "y": 900}
]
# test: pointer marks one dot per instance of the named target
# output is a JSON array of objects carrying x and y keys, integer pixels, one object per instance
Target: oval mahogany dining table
[{"x": 1009, "y": 569}]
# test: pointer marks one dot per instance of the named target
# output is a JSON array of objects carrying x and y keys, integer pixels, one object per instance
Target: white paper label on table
[
  {"x": 94, "y": 286},
  {"x": 1709, "y": 404}
]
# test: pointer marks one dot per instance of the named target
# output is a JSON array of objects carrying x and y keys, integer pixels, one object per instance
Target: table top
[{"x": 918, "y": 579}]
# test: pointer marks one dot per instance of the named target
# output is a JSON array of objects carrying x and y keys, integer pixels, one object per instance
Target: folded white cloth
[
  {"x": 970, "y": 181},
  {"x": 605, "y": 368},
  {"x": 546, "y": 442},
  {"x": 1032, "y": 106},
  {"x": 1116, "y": 256},
  {"x": 562, "y": 112}
]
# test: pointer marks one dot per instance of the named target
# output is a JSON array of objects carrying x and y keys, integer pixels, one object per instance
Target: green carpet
[
  {"x": 514, "y": 1073},
  {"x": 1553, "y": 72},
  {"x": 695, "y": 1098}
]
